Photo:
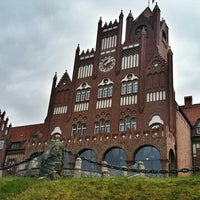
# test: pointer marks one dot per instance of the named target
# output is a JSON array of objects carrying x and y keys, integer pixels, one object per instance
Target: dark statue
[{"x": 52, "y": 158}]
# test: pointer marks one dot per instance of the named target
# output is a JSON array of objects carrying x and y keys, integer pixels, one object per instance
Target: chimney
[{"x": 188, "y": 101}]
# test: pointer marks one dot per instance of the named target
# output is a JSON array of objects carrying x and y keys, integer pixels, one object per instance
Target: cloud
[{"x": 39, "y": 38}]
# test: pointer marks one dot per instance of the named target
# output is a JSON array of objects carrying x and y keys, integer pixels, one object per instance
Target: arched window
[
  {"x": 79, "y": 128},
  {"x": 83, "y": 92},
  {"x": 129, "y": 85},
  {"x": 90, "y": 155},
  {"x": 105, "y": 91},
  {"x": 102, "y": 126},
  {"x": 116, "y": 157},
  {"x": 127, "y": 123},
  {"x": 150, "y": 156},
  {"x": 105, "y": 88}
]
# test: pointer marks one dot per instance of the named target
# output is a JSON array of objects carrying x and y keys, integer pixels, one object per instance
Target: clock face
[{"x": 106, "y": 64}]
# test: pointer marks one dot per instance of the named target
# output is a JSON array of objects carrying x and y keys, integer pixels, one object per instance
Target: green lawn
[{"x": 120, "y": 188}]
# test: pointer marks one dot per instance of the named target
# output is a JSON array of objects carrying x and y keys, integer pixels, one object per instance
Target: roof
[
  {"x": 23, "y": 133},
  {"x": 192, "y": 112}
]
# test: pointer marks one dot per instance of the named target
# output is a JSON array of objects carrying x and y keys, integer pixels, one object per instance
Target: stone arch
[
  {"x": 172, "y": 160},
  {"x": 90, "y": 155},
  {"x": 150, "y": 156},
  {"x": 115, "y": 156},
  {"x": 68, "y": 162}
]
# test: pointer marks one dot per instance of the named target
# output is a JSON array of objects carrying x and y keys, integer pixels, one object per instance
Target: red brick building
[{"x": 120, "y": 104}]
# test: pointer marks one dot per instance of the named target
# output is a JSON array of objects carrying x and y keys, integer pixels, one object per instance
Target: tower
[{"x": 121, "y": 98}]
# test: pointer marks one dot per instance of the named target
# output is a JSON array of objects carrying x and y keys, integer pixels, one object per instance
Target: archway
[
  {"x": 90, "y": 155},
  {"x": 172, "y": 161},
  {"x": 150, "y": 156},
  {"x": 116, "y": 157}
]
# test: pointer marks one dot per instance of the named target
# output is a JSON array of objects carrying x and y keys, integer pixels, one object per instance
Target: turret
[
  {"x": 171, "y": 91},
  {"x": 50, "y": 108},
  {"x": 119, "y": 40},
  {"x": 156, "y": 16},
  {"x": 76, "y": 63},
  {"x": 129, "y": 21}
]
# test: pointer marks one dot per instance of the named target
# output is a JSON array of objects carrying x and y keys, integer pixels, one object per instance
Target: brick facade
[{"x": 121, "y": 96}]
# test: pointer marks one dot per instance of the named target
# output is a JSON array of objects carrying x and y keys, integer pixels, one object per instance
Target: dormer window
[{"x": 197, "y": 128}]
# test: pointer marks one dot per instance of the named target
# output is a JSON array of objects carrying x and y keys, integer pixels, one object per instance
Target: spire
[
  {"x": 130, "y": 15},
  {"x": 156, "y": 7},
  {"x": 55, "y": 76},
  {"x": 129, "y": 21},
  {"x": 78, "y": 49},
  {"x": 100, "y": 22},
  {"x": 121, "y": 14}
]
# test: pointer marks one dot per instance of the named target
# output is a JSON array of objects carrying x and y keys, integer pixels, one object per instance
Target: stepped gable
[
  {"x": 4, "y": 127},
  {"x": 87, "y": 53},
  {"x": 65, "y": 82}
]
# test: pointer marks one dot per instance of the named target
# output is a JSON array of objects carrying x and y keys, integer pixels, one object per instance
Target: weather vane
[{"x": 152, "y": 1}]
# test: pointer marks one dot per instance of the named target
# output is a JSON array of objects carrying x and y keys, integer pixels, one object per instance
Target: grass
[{"x": 116, "y": 188}]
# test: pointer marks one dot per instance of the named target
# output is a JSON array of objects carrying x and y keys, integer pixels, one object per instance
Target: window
[
  {"x": 110, "y": 90},
  {"x": 121, "y": 125},
  {"x": 73, "y": 129},
  {"x": 105, "y": 91},
  {"x": 198, "y": 127},
  {"x": 129, "y": 85},
  {"x": 83, "y": 92},
  {"x": 83, "y": 129},
  {"x": 105, "y": 88},
  {"x": 133, "y": 123},
  {"x": 78, "y": 94},
  {"x": 135, "y": 86},
  {"x": 107, "y": 126},
  {"x": 150, "y": 156},
  {"x": 15, "y": 145},
  {"x": 100, "y": 92},
  {"x": 82, "y": 95},
  {"x": 116, "y": 157},
  {"x": 79, "y": 128},
  {"x": 90, "y": 155},
  {"x": 87, "y": 95},
  {"x": 102, "y": 126},
  {"x": 96, "y": 128},
  {"x": 123, "y": 88},
  {"x": 127, "y": 123}
]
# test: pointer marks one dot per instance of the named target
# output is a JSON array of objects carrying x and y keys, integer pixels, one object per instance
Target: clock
[{"x": 107, "y": 63}]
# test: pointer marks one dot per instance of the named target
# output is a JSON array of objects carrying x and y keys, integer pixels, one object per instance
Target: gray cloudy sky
[{"x": 39, "y": 38}]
